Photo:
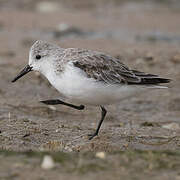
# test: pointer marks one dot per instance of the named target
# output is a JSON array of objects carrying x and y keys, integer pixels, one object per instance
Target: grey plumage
[
  {"x": 108, "y": 69},
  {"x": 96, "y": 65}
]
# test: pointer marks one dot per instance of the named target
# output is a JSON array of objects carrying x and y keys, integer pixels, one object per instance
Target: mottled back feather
[{"x": 108, "y": 69}]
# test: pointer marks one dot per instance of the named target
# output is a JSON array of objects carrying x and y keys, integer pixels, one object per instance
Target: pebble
[
  {"x": 171, "y": 126},
  {"x": 47, "y": 163},
  {"x": 149, "y": 56},
  {"x": 63, "y": 27},
  {"x": 47, "y": 7},
  {"x": 101, "y": 155},
  {"x": 57, "y": 130}
]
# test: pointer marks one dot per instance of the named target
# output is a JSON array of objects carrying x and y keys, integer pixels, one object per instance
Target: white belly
[{"x": 74, "y": 85}]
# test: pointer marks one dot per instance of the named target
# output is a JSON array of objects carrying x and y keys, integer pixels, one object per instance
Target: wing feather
[
  {"x": 106, "y": 69},
  {"x": 110, "y": 70}
]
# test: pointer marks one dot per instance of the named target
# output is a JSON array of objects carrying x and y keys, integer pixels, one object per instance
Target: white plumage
[{"x": 87, "y": 77}]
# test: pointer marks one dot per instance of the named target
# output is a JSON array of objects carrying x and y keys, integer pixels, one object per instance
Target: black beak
[{"x": 22, "y": 73}]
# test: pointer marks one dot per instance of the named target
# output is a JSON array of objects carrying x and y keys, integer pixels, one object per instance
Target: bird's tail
[
  {"x": 153, "y": 80},
  {"x": 149, "y": 79}
]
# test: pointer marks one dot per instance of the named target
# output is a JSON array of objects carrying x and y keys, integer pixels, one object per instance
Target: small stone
[
  {"x": 176, "y": 58},
  {"x": 149, "y": 56},
  {"x": 47, "y": 7},
  {"x": 63, "y": 27},
  {"x": 101, "y": 155},
  {"x": 57, "y": 130},
  {"x": 171, "y": 126},
  {"x": 47, "y": 163}
]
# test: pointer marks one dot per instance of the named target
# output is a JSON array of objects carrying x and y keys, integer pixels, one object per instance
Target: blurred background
[
  {"x": 113, "y": 26},
  {"x": 145, "y": 34}
]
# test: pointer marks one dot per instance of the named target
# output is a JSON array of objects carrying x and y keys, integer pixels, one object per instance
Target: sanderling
[{"x": 87, "y": 77}]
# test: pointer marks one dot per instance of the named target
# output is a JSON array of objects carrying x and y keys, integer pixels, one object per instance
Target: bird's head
[{"x": 41, "y": 56}]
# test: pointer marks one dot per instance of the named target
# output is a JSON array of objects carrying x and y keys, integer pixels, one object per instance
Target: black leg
[
  {"x": 57, "y": 101},
  {"x": 103, "y": 114}
]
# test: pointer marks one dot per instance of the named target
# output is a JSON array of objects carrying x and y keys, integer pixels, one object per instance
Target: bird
[{"x": 87, "y": 77}]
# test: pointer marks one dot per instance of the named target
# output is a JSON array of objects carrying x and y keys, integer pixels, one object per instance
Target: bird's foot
[
  {"x": 81, "y": 107},
  {"x": 57, "y": 101},
  {"x": 91, "y": 136}
]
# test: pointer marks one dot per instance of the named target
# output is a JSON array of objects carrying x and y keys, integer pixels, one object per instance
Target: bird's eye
[{"x": 38, "y": 56}]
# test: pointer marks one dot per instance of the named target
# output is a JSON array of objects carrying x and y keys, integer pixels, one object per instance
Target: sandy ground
[{"x": 135, "y": 133}]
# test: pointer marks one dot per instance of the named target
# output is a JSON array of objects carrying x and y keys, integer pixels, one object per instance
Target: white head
[{"x": 41, "y": 58}]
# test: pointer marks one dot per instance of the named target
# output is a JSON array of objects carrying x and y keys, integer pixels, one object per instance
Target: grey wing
[
  {"x": 110, "y": 70},
  {"x": 106, "y": 69}
]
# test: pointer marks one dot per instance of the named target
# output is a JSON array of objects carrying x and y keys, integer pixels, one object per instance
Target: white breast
[{"x": 76, "y": 86}]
